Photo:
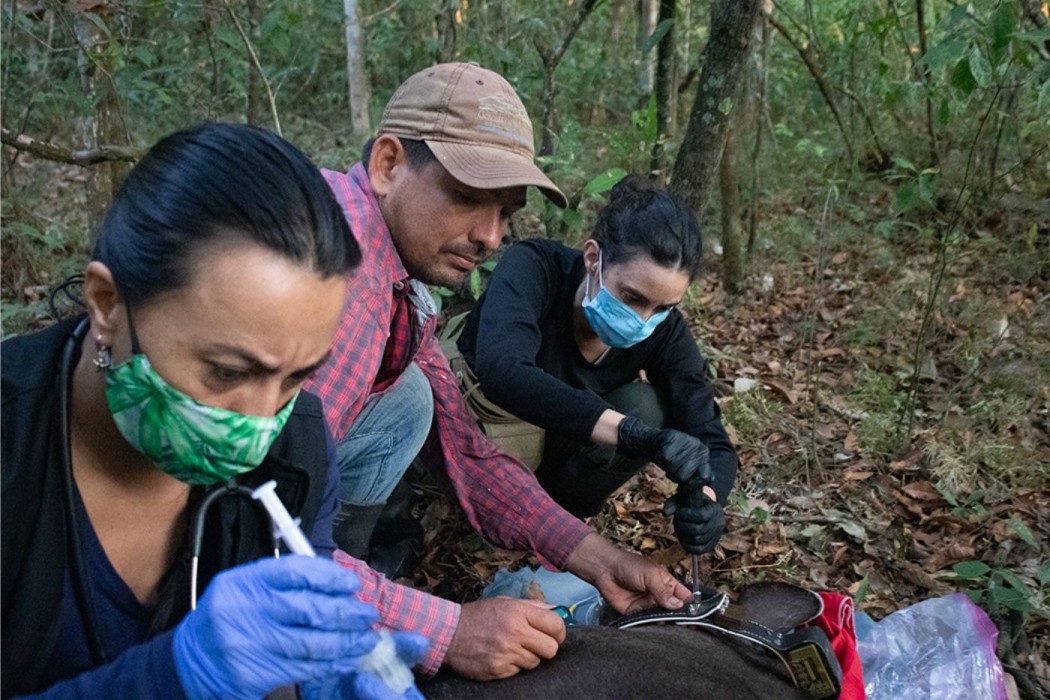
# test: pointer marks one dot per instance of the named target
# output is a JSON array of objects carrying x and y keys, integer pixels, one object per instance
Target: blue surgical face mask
[{"x": 616, "y": 323}]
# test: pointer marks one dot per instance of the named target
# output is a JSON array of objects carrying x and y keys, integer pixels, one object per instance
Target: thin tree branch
[
  {"x": 962, "y": 199},
  {"x": 822, "y": 85},
  {"x": 550, "y": 59},
  {"x": 867, "y": 120},
  {"x": 258, "y": 66},
  {"x": 83, "y": 158}
]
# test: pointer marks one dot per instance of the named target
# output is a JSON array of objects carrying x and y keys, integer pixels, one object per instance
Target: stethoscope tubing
[
  {"x": 230, "y": 488},
  {"x": 79, "y": 575}
]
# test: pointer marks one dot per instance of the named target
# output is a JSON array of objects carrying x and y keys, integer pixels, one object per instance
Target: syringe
[{"x": 383, "y": 660}]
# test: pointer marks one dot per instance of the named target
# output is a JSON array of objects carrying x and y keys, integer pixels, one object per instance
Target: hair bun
[{"x": 629, "y": 185}]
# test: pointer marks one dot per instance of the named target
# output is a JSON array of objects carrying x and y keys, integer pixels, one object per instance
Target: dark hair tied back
[
  {"x": 630, "y": 185},
  {"x": 220, "y": 182},
  {"x": 644, "y": 219}
]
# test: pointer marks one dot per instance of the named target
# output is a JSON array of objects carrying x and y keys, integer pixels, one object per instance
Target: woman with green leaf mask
[{"x": 214, "y": 290}]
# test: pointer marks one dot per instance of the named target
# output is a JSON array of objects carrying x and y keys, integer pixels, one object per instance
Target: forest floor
[{"x": 813, "y": 375}]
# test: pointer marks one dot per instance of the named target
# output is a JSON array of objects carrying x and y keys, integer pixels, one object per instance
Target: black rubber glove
[
  {"x": 681, "y": 456},
  {"x": 698, "y": 521}
]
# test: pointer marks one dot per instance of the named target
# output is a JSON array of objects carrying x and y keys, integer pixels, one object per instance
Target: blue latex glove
[
  {"x": 365, "y": 686},
  {"x": 272, "y": 623}
]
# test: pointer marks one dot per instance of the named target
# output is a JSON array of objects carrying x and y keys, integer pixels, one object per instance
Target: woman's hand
[
  {"x": 682, "y": 457},
  {"x": 410, "y": 648},
  {"x": 698, "y": 518},
  {"x": 272, "y": 623}
]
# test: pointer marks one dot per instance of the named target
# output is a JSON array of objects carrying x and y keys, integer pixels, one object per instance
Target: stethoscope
[
  {"x": 79, "y": 574},
  {"x": 230, "y": 488}
]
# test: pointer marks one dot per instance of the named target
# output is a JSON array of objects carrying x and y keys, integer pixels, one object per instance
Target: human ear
[
  {"x": 387, "y": 159},
  {"x": 104, "y": 305},
  {"x": 591, "y": 250}
]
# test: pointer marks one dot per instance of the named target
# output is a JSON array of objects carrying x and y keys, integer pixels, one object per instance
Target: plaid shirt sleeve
[
  {"x": 500, "y": 496},
  {"x": 406, "y": 609}
]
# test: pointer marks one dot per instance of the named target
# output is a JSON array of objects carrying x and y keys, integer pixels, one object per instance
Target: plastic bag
[
  {"x": 939, "y": 649},
  {"x": 557, "y": 588}
]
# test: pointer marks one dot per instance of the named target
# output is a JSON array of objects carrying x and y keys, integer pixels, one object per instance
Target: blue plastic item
[{"x": 556, "y": 587}]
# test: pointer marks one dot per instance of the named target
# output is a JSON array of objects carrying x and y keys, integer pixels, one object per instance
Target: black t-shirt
[{"x": 519, "y": 342}]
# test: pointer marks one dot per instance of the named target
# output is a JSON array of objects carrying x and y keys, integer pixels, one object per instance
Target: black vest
[{"x": 35, "y": 520}]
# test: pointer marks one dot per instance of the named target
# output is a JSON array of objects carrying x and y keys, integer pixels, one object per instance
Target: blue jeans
[{"x": 385, "y": 438}]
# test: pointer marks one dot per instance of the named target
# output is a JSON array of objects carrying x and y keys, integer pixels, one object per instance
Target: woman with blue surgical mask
[
  {"x": 136, "y": 564},
  {"x": 554, "y": 351}
]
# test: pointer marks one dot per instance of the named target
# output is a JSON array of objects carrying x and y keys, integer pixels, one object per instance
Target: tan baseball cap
[{"x": 474, "y": 123}]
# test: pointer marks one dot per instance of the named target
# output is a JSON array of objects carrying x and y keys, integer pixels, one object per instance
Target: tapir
[{"x": 682, "y": 663}]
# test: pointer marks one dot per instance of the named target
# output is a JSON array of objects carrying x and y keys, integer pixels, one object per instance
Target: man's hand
[
  {"x": 681, "y": 456},
  {"x": 497, "y": 637},
  {"x": 627, "y": 581}
]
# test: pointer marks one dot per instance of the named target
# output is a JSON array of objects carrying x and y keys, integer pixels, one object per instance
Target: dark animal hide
[{"x": 641, "y": 663}]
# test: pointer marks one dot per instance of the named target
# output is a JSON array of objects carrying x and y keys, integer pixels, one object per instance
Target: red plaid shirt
[{"x": 501, "y": 498}]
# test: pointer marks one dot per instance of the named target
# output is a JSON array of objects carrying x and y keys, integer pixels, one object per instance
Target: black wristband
[{"x": 636, "y": 439}]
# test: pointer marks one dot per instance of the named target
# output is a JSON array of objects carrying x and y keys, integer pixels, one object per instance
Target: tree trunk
[
  {"x": 97, "y": 60},
  {"x": 920, "y": 20},
  {"x": 686, "y": 75},
  {"x": 729, "y": 181},
  {"x": 666, "y": 89},
  {"x": 254, "y": 92},
  {"x": 617, "y": 14},
  {"x": 360, "y": 92},
  {"x": 209, "y": 18},
  {"x": 447, "y": 22},
  {"x": 617, "y": 11},
  {"x": 724, "y": 64},
  {"x": 646, "y": 26},
  {"x": 762, "y": 80}
]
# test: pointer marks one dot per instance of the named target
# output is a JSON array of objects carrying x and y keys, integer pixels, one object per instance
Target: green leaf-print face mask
[{"x": 197, "y": 444}]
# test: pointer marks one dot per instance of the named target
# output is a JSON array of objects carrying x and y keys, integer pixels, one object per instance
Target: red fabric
[
  {"x": 399, "y": 346},
  {"x": 837, "y": 623}
]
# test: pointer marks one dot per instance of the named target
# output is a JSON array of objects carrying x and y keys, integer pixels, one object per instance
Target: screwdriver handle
[{"x": 691, "y": 494}]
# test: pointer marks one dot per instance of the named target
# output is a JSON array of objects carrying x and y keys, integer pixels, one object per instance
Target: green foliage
[
  {"x": 969, "y": 508},
  {"x": 881, "y": 395},
  {"x": 738, "y": 501},
  {"x": 1001, "y": 587},
  {"x": 918, "y": 188},
  {"x": 750, "y": 414}
]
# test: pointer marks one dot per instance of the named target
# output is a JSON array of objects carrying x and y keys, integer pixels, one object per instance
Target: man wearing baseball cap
[{"x": 451, "y": 163}]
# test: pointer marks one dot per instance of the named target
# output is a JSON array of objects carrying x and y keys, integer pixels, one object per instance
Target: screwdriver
[
  {"x": 696, "y": 577},
  {"x": 694, "y": 498}
]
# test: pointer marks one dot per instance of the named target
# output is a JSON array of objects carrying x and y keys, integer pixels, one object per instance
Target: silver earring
[{"x": 102, "y": 360}]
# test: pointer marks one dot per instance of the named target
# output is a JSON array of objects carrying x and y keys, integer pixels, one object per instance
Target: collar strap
[{"x": 805, "y": 651}]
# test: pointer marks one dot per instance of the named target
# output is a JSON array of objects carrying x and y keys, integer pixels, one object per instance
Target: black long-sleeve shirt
[{"x": 519, "y": 341}]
